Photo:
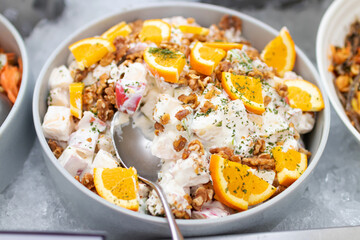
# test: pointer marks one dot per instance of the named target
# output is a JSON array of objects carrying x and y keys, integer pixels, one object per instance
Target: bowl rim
[
  {"x": 329, "y": 14},
  {"x": 137, "y": 215},
  {"x": 24, "y": 78}
]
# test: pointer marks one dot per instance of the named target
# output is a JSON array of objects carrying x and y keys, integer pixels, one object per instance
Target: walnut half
[{"x": 202, "y": 195}]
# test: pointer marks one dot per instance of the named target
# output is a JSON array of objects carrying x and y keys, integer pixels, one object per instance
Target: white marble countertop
[{"x": 31, "y": 202}]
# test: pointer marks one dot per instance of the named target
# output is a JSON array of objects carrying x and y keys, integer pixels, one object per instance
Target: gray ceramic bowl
[
  {"x": 16, "y": 132},
  {"x": 104, "y": 215}
]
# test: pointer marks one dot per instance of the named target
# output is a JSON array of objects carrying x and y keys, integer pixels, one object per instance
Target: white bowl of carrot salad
[
  {"x": 16, "y": 134},
  {"x": 338, "y": 59},
  {"x": 196, "y": 76}
]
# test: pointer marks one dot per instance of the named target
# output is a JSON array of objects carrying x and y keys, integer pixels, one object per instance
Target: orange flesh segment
[
  {"x": 204, "y": 59},
  {"x": 155, "y": 30},
  {"x": 224, "y": 45},
  {"x": 118, "y": 185},
  {"x": 165, "y": 63},
  {"x": 304, "y": 95},
  {"x": 120, "y": 29},
  {"x": 246, "y": 88},
  {"x": 120, "y": 181},
  {"x": 280, "y": 52},
  {"x": 194, "y": 29},
  {"x": 89, "y": 51},
  {"x": 76, "y": 93},
  {"x": 236, "y": 186},
  {"x": 289, "y": 165}
]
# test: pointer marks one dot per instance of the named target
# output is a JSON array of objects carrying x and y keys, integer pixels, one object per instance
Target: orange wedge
[
  {"x": 90, "y": 50},
  {"x": 224, "y": 45},
  {"x": 280, "y": 52},
  {"x": 236, "y": 186},
  {"x": 165, "y": 63},
  {"x": 120, "y": 29},
  {"x": 118, "y": 185},
  {"x": 246, "y": 88},
  {"x": 155, "y": 30},
  {"x": 193, "y": 29},
  {"x": 204, "y": 59},
  {"x": 76, "y": 93},
  {"x": 289, "y": 165},
  {"x": 304, "y": 95}
]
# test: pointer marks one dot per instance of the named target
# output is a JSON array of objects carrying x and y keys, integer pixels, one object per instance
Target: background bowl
[
  {"x": 103, "y": 215},
  {"x": 16, "y": 132},
  {"x": 333, "y": 28}
]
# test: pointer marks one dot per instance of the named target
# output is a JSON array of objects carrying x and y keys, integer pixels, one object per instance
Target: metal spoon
[
  {"x": 5, "y": 107},
  {"x": 133, "y": 150}
]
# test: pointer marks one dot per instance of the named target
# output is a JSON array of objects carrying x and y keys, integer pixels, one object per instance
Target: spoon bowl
[{"x": 133, "y": 150}]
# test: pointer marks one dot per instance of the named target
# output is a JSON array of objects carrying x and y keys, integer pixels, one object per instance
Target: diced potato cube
[
  {"x": 60, "y": 77},
  {"x": 74, "y": 160},
  {"x": 58, "y": 123}
]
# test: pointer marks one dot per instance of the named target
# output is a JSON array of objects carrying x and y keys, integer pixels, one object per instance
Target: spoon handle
[{"x": 175, "y": 231}]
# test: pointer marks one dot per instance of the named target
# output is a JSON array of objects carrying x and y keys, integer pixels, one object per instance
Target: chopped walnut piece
[
  {"x": 121, "y": 45},
  {"x": 193, "y": 81},
  {"x": 202, "y": 195},
  {"x": 196, "y": 146},
  {"x": 281, "y": 89},
  {"x": 104, "y": 110},
  {"x": 89, "y": 97},
  {"x": 259, "y": 146},
  {"x": 267, "y": 100},
  {"x": 212, "y": 93},
  {"x": 55, "y": 148},
  {"x": 192, "y": 100},
  {"x": 88, "y": 181},
  {"x": 225, "y": 152},
  {"x": 101, "y": 84},
  {"x": 180, "y": 127},
  {"x": 135, "y": 57},
  {"x": 279, "y": 189},
  {"x": 188, "y": 198},
  {"x": 179, "y": 144},
  {"x": 180, "y": 214},
  {"x": 202, "y": 83},
  {"x": 216, "y": 34},
  {"x": 186, "y": 153},
  {"x": 164, "y": 119},
  {"x": 182, "y": 114},
  {"x": 107, "y": 59},
  {"x": 263, "y": 161},
  {"x": 109, "y": 94},
  {"x": 235, "y": 158},
  {"x": 158, "y": 128},
  {"x": 136, "y": 27},
  {"x": 304, "y": 151},
  {"x": 80, "y": 75},
  {"x": 252, "y": 53},
  {"x": 228, "y": 22},
  {"x": 207, "y": 106}
]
